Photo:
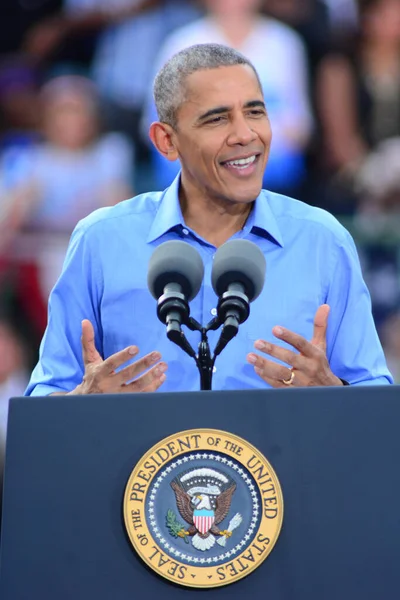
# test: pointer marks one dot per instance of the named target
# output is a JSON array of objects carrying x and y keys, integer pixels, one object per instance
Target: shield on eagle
[{"x": 203, "y": 520}]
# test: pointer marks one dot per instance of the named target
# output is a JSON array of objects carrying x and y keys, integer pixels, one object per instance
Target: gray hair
[{"x": 170, "y": 82}]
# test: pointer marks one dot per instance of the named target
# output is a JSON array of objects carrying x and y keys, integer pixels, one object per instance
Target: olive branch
[{"x": 175, "y": 528}]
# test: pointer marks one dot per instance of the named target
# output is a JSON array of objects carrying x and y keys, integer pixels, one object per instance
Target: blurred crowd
[{"x": 76, "y": 102}]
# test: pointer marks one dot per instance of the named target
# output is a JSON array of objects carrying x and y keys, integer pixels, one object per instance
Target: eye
[
  {"x": 216, "y": 120},
  {"x": 256, "y": 112}
]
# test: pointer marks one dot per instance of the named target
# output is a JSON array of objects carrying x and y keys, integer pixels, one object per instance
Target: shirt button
[
  {"x": 185, "y": 231},
  {"x": 214, "y": 369},
  {"x": 213, "y": 311}
]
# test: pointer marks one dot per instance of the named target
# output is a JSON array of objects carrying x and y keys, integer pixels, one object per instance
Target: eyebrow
[{"x": 219, "y": 110}]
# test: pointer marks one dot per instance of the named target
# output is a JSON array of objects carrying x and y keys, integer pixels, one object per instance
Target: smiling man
[
  {"x": 312, "y": 322},
  {"x": 218, "y": 126}
]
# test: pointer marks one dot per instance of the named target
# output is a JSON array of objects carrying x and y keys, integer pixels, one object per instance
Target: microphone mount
[
  {"x": 173, "y": 310},
  {"x": 233, "y": 309}
]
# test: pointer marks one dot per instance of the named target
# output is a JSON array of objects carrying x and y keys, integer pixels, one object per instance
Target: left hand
[{"x": 307, "y": 367}]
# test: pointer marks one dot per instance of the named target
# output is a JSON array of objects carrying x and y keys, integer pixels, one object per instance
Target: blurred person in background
[
  {"x": 377, "y": 225},
  {"x": 311, "y": 20},
  {"x": 359, "y": 102},
  {"x": 321, "y": 31},
  {"x": 129, "y": 34},
  {"x": 278, "y": 54},
  {"x": 18, "y": 103},
  {"x": 13, "y": 377},
  {"x": 343, "y": 15},
  {"x": 378, "y": 186},
  {"x": 19, "y": 85},
  {"x": 73, "y": 171},
  {"x": 18, "y": 131}
]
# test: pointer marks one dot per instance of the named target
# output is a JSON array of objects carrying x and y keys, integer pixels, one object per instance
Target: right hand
[{"x": 100, "y": 375}]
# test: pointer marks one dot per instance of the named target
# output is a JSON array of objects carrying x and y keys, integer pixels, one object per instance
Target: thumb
[
  {"x": 320, "y": 326},
  {"x": 89, "y": 351}
]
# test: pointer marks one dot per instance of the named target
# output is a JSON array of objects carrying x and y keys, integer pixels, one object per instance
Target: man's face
[{"x": 223, "y": 134}]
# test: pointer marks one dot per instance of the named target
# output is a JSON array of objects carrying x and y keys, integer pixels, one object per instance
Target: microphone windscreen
[
  {"x": 175, "y": 262},
  {"x": 239, "y": 261}
]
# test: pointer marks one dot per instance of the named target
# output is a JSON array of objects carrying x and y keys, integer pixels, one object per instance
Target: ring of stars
[{"x": 183, "y": 555}]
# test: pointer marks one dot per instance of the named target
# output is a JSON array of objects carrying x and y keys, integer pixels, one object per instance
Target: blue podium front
[{"x": 334, "y": 451}]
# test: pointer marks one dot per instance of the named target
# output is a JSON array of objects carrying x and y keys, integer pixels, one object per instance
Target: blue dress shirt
[{"x": 311, "y": 260}]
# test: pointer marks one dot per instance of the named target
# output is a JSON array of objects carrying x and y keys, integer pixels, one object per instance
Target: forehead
[{"x": 225, "y": 86}]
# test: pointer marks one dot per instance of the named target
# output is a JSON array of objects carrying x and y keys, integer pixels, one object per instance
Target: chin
[{"x": 246, "y": 194}]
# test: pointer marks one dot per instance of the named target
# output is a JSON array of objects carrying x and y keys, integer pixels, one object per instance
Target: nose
[{"x": 241, "y": 132}]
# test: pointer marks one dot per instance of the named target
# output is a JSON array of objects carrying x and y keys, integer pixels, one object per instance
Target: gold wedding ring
[{"x": 290, "y": 380}]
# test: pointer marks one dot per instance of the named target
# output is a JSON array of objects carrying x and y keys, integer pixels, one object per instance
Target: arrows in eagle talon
[{"x": 233, "y": 524}]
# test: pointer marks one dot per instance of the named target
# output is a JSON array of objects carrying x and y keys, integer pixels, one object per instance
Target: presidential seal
[{"x": 203, "y": 508}]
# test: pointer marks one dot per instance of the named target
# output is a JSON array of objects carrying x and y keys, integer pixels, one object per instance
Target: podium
[{"x": 335, "y": 451}]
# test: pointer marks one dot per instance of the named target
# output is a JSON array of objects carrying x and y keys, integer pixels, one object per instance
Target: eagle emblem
[{"x": 203, "y": 497}]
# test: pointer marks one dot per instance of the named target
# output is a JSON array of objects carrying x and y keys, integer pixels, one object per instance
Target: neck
[
  {"x": 236, "y": 27},
  {"x": 214, "y": 220}
]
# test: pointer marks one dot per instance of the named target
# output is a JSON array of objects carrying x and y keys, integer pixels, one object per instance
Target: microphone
[
  {"x": 237, "y": 277},
  {"x": 174, "y": 278}
]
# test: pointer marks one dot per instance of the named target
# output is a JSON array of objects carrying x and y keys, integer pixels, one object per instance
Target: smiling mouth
[{"x": 241, "y": 164}]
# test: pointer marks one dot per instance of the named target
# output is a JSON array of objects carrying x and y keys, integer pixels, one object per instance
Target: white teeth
[{"x": 242, "y": 162}]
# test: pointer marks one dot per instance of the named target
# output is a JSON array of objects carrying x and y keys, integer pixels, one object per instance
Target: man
[
  {"x": 212, "y": 116},
  {"x": 278, "y": 55}
]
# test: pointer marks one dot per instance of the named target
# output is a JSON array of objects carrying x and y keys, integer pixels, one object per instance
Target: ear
[{"x": 163, "y": 138}]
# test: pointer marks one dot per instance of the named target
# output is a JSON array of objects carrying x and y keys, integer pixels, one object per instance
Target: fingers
[
  {"x": 270, "y": 371},
  {"x": 297, "y": 341},
  {"x": 149, "y": 382},
  {"x": 305, "y": 347},
  {"x": 137, "y": 368},
  {"x": 89, "y": 351},
  {"x": 309, "y": 364},
  {"x": 113, "y": 362},
  {"x": 320, "y": 327},
  {"x": 108, "y": 377},
  {"x": 287, "y": 356}
]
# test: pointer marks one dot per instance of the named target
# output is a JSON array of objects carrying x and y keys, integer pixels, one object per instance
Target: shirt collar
[
  {"x": 261, "y": 221},
  {"x": 169, "y": 214}
]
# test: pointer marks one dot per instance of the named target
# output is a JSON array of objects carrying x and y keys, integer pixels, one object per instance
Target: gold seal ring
[{"x": 290, "y": 380}]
